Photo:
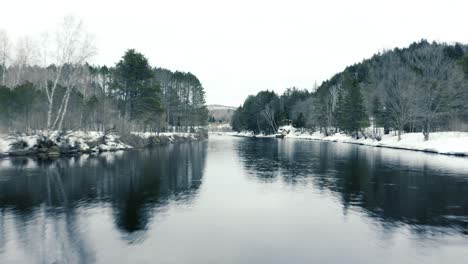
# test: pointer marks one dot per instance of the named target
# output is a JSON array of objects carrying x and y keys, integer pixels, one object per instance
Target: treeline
[
  {"x": 266, "y": 111},
  {"x": 48, "y": 84},
  {"x": 421, "y": 88}
]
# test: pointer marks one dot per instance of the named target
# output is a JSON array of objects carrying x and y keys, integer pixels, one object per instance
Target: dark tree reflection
[
  {"x": 47, "y": 195},
  {"x": 391, "y": 186}
]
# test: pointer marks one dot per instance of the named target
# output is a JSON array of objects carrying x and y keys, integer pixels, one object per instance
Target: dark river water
[{"x": 236, "y": 200}]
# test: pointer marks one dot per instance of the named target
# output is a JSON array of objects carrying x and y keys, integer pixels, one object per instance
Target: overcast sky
[{"x": 240, "y": 47}]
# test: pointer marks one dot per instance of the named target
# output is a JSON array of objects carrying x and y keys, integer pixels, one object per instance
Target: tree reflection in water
[
  {"x": 391, "y": 186},
  {"x": 41, "y": 201}
]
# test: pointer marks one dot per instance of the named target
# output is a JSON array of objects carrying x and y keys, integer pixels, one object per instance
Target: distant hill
[
  {"x": 220, "y": 107},
  {"x": 220, "y": 113}
]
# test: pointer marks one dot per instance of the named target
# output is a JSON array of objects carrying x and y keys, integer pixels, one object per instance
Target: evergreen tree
[
  {"x": 132, "y": 79},
  {"x": 352, "y": 116},
  {"x": 5, "y": 102},
  {"x": 148, "y": 106},
  {"x": 341, "y": 114},
  {"x": 378, "y": 112},
  {"x": 237, "y": 120}
]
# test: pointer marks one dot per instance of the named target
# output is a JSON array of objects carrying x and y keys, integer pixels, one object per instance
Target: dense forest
[
  {"x": 421, "y": 88},
  {"x": 46, "y": 83}
]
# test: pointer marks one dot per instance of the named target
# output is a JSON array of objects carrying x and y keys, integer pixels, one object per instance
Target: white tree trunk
[
  {"x": 51, "y": 99},
  {"x": 65, "y": 108}
]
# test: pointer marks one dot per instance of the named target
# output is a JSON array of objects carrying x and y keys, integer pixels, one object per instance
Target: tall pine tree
[
  {"x": 351, "y": 112},
  {"x": 132, "y": 81}
]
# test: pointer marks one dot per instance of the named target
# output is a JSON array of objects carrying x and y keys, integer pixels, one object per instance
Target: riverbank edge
[
  {"x": 123, "y": 142},
  {"x": 457, "y": 154},
  {"x": 340, "y": 138}
]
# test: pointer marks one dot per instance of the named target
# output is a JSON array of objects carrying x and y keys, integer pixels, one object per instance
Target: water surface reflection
[
  {"x": 236, "y": 200},
  {"x": 41, "y": 202},
  {"x": 429, "y": 192}
]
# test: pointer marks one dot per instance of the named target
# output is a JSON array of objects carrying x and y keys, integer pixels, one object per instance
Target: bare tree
[
  {"x": 439, "y": 79},
  {"x": 73, "y": 47},
  {"x": 399, "y": 90},
  {"x": 25, "y": 56},
  {"x": 43, "y": 54},
  {"x": 4, "y": 53},
  {"x": 269, "y": 115},
  {"x": 331, "y": 103},
  {"x": 75, "y": 78}
]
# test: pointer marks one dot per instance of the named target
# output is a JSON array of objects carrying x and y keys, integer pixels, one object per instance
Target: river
[{"x": 236, "y": 200}]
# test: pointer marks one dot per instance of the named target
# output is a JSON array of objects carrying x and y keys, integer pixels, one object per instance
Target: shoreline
[
  {"x": 455, "y": 154},
  {"x": 443, "y": 143},
  {"x": 78, "y": 143}
]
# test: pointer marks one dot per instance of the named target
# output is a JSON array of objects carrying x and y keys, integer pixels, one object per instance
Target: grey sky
[{"x": 237, "y": 48}]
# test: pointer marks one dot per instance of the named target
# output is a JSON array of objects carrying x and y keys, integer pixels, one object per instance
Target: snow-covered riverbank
[
  {"x": 172, "y": 136},
  {"x": 85, "y": 142},
  {"x": 448, "y": 143}
]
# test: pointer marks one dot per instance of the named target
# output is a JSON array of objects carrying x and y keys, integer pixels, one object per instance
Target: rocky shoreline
[{"x": 78, "y": 142}]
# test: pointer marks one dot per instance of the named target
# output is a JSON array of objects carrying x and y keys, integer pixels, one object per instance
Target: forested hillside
[
  {"x": 46, "y": 83},
  {"x": 220, "y": 113},
  {"x": 421, "y": 88}
]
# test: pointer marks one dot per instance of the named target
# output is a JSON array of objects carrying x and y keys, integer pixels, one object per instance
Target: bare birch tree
[
  {"x": 269, "y": 115},
  {"x": 73, "y": 47}
]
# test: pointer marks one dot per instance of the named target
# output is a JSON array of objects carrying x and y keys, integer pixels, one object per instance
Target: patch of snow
[
  {"x": 30, "y": 140},
  {"x": 5, "y": 142}
]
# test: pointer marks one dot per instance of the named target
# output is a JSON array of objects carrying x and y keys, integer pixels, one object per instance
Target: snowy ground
[
  {"x": 449, "y": 143},
  {"x": 84, "y": 141}
]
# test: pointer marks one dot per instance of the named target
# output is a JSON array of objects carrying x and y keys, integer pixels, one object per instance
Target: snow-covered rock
[
  {"x": 5, "y": 142},
  {"x": 67, "y": 143},
  {"x": 73, "y": 142}
]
